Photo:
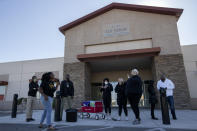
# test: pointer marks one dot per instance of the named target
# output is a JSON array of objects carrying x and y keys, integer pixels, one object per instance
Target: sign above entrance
[{"x": 111, "y": 30}]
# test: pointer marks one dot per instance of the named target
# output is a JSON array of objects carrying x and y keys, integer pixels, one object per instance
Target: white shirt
[{"x": 166, "y": 84}]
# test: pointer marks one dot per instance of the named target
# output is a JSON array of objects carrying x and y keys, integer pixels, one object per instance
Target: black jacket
[
  {"x": 107, "y": 91},
  {"x": 152, "y": 95},
  {"x": 121, "y": 97},
  {"x": 106, "y": 94},
  {"x": 33, "y": 88},
  {"x": 134, "y": 85},
  {"x": 66, "y": 88}
]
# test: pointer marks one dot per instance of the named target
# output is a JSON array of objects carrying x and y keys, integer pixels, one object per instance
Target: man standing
[
  {"x": 67, "y": 94},
  {"x": 33, "y": 88},
  {"x": 168, "y": 85}
]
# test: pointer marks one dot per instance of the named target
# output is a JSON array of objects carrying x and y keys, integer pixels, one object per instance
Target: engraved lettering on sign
[{"x": 115, "y": 30}]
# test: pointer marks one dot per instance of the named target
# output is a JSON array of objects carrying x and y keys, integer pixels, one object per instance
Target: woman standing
[
  {"x": 152, "y": 98},
  {"x": 47, "y": 89},
  {"x": 121, "y": 98},
  {"x": 106, "y": 90},
  {"x": 134, "y": 92}
]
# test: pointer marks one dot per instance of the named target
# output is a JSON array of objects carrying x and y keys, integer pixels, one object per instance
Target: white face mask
[
  {"x": 55, "y": 84},
  {"x": 39, "y": 82},
  {"x": 35, "y": 80},
  {"x": 106, "y": 82}
]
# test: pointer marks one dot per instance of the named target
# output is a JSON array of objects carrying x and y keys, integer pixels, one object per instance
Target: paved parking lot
[
  {"x": 186, "y": 121},
  {"x": 34, "y": 127}
]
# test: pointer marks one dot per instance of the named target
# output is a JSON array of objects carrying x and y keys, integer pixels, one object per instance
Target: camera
[{"x": 162, "y": 91}]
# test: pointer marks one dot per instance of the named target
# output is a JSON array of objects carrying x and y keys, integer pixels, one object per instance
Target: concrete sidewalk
[{"x": 187, "y": 119}]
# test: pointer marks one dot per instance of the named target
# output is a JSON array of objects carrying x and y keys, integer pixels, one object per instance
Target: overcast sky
[{"x": 29, "y": 28}]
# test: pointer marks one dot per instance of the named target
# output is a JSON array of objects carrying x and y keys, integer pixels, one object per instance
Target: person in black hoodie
[
  {"x": 66, "y": 93},
  {"x": 121, "y": 98},
  {"x": 31, "y": 100},
  {"x": 152, "y": 98},
  {"x": 106, "y": 90},
  {"x": 134, "y": 92}
]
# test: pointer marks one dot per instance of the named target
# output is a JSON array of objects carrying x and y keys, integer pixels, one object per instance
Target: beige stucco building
[
  {"x": 15, "y": 76},
  {"x": 108, "y": 43},
  {"x": 190, "y": 61},
  {"x": 115, "y": 38}
]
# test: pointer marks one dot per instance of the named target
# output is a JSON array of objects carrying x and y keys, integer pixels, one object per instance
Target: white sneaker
[
  {"x": 106, "y": 116},
  {"x": 109, "y": 117},
  {"x": 119, "y": 118},
  {"x": 126, "y": 118}
]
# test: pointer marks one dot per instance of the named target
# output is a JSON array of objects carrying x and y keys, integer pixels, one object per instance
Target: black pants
[
  {"x": 107, "y": 104},
  {"x": 152, "y": 110},
  {"x": 122, "y": 106},
  {"x": 107, "y": 109},
  {"x": 134, "y": 100}
]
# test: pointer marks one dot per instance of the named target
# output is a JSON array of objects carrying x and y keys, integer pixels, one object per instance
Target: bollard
[
  {"x": 164, "y": 107},
  {"x": 57, "y": 116},
  {"x": 14, "y": 106}
]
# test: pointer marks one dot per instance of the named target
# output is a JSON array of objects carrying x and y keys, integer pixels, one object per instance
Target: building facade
[
  {"x": 15, "y": 76},
  {"x": 115, "y": 38},
  {"x": 190, "y": 61},
  {"x": 109, "y": 43}
]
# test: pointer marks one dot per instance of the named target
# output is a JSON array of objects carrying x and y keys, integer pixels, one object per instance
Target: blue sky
[{"x": 29, "y": 28}]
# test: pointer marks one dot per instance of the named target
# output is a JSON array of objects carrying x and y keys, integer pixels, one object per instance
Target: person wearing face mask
[
  {"x": 121, "y": 98},
  {"x": 31, "y": 100},
  {"x": 106, "y": 90},
  {"x": 134, "y": 92},
  {"x": 66, "y": 93},
  {"x": 47, "y": 89}
]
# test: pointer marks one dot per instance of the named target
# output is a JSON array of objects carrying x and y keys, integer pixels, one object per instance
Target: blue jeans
[
  {"x": 47, "y": 110},
  {"x": 171, "y": 103}
]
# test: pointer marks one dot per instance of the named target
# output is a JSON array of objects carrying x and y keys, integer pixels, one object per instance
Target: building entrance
[{"x": 96, "y": 94}]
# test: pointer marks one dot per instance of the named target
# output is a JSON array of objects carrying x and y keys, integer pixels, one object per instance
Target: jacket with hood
[{"x": 134, "y": 85}]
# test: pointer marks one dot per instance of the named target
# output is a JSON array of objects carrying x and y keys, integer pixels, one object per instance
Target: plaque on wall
[{"x": 111, "y": 30}]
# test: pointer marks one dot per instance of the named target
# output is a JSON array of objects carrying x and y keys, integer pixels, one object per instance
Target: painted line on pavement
[
  {"x": 100, "y": 128},
  {"x": 156, "y": 129},
  {"x": 46, "y": 129}
]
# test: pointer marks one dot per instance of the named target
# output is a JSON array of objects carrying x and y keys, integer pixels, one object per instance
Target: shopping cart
[{"x": 92, "y": 107}]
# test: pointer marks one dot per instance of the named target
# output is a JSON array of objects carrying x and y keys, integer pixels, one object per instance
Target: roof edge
[{"x": 140, "y": 8}]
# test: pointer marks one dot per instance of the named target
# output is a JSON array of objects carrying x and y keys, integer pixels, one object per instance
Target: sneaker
[
  {"x": 28, "y": 120},
  {"x": 106, "y": 116},
  {"x": 154, "y": 118},
  {"x": 174, "y": 118},
  {"x": 136, "y": 122},
  {"x": 119, "y": 118},
  {"x": 126, "y": 118},
  {"x": 32, "y": 119},
  {"x": 109, "y": 117}
]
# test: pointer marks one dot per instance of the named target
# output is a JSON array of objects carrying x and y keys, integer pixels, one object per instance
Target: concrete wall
[
  {"x": 162, "y": 29},
  {"x": 20, "y": 72},
  {"x": 190, "y": 61}
]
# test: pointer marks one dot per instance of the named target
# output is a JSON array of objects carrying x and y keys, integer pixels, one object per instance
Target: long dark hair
[{"x": 46, "y": 77}]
